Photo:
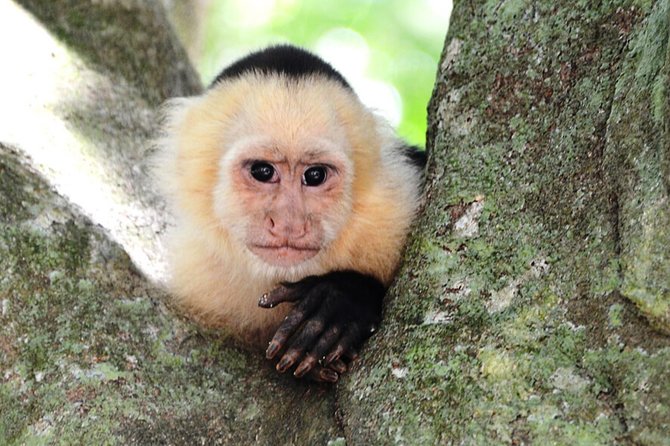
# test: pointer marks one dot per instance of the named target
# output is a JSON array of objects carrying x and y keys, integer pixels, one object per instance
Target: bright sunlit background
[{"x": 387, "y": 49}]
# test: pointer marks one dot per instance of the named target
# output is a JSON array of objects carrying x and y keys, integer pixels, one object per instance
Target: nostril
[
  {"x": 303, "y": 228},
  {"x": 286, "y": 226},
  {"x": 269, "y": 223},
  {"x": 302, "y": 231}
]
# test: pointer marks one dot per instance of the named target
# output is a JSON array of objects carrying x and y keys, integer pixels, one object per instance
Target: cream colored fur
[{"x": 213, "y": 275}]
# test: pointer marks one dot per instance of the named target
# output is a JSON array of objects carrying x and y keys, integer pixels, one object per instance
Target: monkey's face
[
  {"x": 283, "y": 155},
  {"x": 287, "y": 204},
  {"x": 285, "y": 178}
]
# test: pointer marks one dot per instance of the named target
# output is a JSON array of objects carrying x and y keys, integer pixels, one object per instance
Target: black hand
[{"x": 333, "y": 315}]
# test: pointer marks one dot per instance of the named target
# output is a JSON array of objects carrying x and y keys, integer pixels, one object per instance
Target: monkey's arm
[{"x": 333, "y": 315}]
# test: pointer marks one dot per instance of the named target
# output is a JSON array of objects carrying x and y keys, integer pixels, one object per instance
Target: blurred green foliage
[{"x": 394, "y": 41}]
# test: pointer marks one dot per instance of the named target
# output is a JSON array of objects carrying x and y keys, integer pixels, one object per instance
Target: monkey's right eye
[{"x": 263, "y": 172}]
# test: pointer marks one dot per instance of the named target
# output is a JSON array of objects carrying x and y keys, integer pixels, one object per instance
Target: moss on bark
[
  {"x": 90, "y": 354},
  {"x": 533, "y": 305}
]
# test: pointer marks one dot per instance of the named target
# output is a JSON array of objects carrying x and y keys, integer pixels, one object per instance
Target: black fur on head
[{"x": 288, "y": 60}]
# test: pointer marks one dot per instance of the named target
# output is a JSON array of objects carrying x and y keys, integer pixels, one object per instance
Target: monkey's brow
[
  {"x": 276, "y": 156},
  {"x": 312, "y": 155},
  {"x": 271, "y": 154}
]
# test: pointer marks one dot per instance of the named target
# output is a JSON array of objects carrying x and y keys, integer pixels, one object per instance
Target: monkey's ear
[
  {"x": 172, "y": 116},
  {"x": 165, "y": 148}
]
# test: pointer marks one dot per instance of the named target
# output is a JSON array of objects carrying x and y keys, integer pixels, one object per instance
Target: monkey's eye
[
  {"x": 261, "y": 171},
  {"x": 314, "y": 176}
]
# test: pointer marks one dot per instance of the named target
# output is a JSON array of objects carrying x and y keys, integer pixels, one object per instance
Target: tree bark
[
  {"x": 534, "y": 303},
  {"x": 89, "y": 351}
]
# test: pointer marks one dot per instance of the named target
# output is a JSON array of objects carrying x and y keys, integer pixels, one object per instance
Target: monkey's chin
[{"x": 284, "y": 256}]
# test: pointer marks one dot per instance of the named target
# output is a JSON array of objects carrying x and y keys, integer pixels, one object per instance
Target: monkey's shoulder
[{"x": 415, "y": 155}]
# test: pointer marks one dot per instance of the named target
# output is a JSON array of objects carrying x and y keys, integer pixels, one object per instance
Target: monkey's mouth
[{"x": 284, "y": 255}]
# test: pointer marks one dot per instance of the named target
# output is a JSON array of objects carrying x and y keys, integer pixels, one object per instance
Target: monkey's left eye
[
  {"x": 262, "y": 172},
  {"x": 314, "y": 176}
]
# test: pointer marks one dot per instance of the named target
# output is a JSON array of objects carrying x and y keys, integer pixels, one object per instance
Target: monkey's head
[
  {"x": 271, "y": 165},
  {"x": 285, "y": 179}
]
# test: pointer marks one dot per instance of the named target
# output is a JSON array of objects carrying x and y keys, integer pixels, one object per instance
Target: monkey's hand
[{"x": 333, "y": 315}]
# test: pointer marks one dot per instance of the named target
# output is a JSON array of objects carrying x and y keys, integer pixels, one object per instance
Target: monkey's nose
[{"x": 287, "y": 228}]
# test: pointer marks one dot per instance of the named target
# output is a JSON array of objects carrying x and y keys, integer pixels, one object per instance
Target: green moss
[
  {"x": 11, "y": 186},
  {"x": 512, "y": 9},
  {"x": 641, "y": 141},
  {"x": 615, "y": 313},
  {"x": 14, "y": 414},
  {"x": 660, "y": 101}
]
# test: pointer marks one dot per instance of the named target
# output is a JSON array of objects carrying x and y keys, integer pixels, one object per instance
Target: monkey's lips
[{"x": 284, "y": 255}]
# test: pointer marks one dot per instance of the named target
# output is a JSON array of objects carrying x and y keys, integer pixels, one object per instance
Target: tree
[
  {"x": 89, "y": 352},
  {"x": 533, "y": 305}
]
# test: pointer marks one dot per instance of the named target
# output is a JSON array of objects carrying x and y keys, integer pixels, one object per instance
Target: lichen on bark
[
  {"x": 89, "y": 351},
  {"x": 533, "y": 303}
]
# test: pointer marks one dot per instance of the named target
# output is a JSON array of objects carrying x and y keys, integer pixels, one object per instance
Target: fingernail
[
  {"x": 339, "y": 367},
  {"x": 272, "y": 350},
  {"x": 332, "y": 357},
  {"x": 263, "y": 300},
  {"x": 284, "y": 364},
  {"x": 329, "y": 375},
  {"x": 301, "y": 370}
]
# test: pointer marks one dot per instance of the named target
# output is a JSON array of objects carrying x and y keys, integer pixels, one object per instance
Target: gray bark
[
  {"x": 89, "y": 351},
  {"x": 534, "y": 305}
]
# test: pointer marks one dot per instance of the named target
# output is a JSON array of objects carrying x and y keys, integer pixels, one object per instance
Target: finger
[
  {"x": 323, "y": 374},
  {"x": 285, "y": 330},
  {"x": 309, "y": 333},
  {"x": 326, "y": 341},
  {"x": 345, "y": 346},
  {"x": 291, "y": 322},
  {"x": 339, "y": 366},
  {"x": 287, "y": 292},
  {"x": 277, "y": 296},
  {"x": 351, "y": 354},
  {"x": 334, "y": 355},
  {"x": 289, "y": 358},
  {"x": 307, "y": 364}
]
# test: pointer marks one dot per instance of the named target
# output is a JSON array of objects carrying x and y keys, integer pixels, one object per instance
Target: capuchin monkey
[{"x": 286, "y": 190}]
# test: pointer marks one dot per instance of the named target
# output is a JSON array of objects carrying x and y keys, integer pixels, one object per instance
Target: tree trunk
[
  {"x": 89, "y": 352},
  {"x": 534, "y": 305}
]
